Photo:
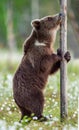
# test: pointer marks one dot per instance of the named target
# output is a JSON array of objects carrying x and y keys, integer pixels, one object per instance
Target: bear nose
[{"x": 60, "y": 14}]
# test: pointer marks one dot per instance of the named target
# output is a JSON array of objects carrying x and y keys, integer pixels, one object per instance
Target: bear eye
[{"x": 49, "y": 18}]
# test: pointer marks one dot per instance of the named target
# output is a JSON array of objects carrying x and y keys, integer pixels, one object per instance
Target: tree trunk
[
  {"x": 10, "y": 33},
  {"x": 9, "y": 28},
  {"x": 63, "y": 67}
]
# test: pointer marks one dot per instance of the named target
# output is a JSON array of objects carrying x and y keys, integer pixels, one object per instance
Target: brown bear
[{"x": 38, "y": 62}]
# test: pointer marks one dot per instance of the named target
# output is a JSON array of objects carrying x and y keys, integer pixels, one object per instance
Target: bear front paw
[
  {"x": 59, "y": 52},
  {"x": 67, "y": 56}
]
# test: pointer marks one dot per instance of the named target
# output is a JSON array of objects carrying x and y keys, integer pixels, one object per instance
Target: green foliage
[
  {"x": 19, "y": 6},
  {"x": 2, "y": 24}
]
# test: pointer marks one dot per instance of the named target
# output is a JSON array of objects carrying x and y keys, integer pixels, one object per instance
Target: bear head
[{"x": 47, "y": 27}]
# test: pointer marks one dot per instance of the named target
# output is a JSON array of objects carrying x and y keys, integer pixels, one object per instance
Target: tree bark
[{"x": 63, "y": 67}]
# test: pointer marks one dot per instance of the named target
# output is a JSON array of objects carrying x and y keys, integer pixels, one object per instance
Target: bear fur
[{"x": 38, "y": 62}]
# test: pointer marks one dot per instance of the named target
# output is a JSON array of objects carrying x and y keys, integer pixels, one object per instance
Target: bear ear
[{"x": 36, "y": 23}]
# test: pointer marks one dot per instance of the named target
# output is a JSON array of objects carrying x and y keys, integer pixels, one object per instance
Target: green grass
[{"x": 10, "y": 114}]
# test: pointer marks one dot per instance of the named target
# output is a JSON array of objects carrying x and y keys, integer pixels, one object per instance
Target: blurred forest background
[{"x": 16, "y": 16}]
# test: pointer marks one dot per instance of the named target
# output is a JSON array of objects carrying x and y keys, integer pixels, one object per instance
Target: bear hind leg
[
  {"x": 24, "y": 112},
  {"x": 37, "y": 105}
]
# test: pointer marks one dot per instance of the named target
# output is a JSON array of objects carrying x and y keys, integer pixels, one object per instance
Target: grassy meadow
[{"x": 10, "y": 114}]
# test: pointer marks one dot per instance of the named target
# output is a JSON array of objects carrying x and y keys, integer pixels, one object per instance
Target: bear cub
[{"x": 38, "y": 62}]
